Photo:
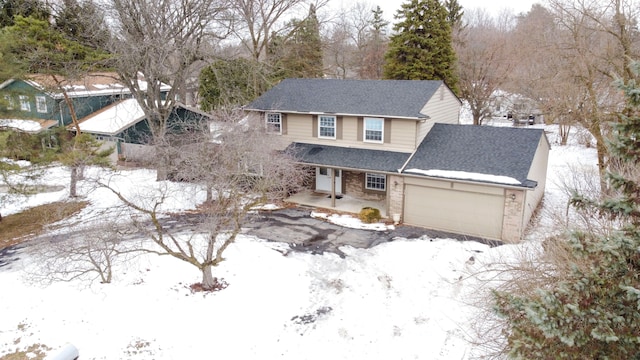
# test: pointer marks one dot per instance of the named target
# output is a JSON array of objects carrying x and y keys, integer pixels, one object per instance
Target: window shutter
[
  {"x": 339, "y": 128},
  {"x": 360, "y": 127},
  {"x": 283, "y": 125},
  {"x": 387, "y": 131},
  {"x": 314, "y": 130}
]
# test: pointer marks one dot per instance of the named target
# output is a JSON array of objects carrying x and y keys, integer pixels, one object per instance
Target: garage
[{"x": 455, "y": 207}]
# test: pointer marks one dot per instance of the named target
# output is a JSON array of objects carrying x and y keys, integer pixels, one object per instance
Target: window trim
[
  {"x": 271, "y": 125},
  {"x": 41, "y": 104},
  {"x": 24, "y": 103},
  {"x": 364, "y": 130},
  {"x": 335, "y": 126},
  {"x": 377, "y": 176}
]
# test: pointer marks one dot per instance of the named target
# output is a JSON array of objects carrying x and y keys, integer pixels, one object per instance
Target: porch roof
[{"x": 352, "y": 158}]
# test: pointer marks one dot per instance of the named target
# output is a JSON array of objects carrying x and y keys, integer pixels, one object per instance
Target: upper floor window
[
  {"x": 376, "y": 182},
  {"x": 24, "y": 103},
  {"x": 10, "y": 103},
  {"x": 274, "y": 122},
  {"x": 327, "y": 127},
  {"x": 41, "y": 104},
  {"x": 373, "y": 130}
]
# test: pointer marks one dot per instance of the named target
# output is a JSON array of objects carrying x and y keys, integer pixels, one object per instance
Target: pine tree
[
  {"x": 422, "y": 47},
  {"x": 9, "y": 9},
  {"x": 372, "y": 62},
  {"x": 299, "y": 53},
  {"x": 593, "y": 311},
  {"x": 232, "y": 83}
]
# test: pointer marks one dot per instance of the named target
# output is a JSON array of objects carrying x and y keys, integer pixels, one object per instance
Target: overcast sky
[{"x": 494, "y": 7}]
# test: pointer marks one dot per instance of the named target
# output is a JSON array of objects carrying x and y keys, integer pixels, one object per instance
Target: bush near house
[{"x": 369, "y": 215}]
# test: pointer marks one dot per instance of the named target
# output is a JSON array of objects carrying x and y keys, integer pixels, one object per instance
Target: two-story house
[{"x": 399, "y": 142}]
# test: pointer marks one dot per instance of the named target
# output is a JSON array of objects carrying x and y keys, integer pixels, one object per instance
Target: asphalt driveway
[{"x": 296, "y": 227}]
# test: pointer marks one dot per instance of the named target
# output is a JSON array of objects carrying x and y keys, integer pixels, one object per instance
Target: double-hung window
[
  {"x": 24, "y": 103},
  {"x": 41, "y": 104},
  {"x": 373, "y": 130},
  {"x": 327, "y": 127},
  {"x": 376, "y": 182},
  {"x": 274, "y": 123}
]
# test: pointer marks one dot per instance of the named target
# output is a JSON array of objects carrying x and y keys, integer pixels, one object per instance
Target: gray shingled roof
[
  {"x": 365, "y": 159},
  {"x": 394, "y": 98},
  {"x": 502, "y": 151}
]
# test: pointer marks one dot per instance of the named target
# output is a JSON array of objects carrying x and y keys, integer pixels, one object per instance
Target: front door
[{"x": 323, "y": 179}]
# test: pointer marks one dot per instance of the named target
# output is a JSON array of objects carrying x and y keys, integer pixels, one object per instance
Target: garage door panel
[{"x": 471, "y": 213}]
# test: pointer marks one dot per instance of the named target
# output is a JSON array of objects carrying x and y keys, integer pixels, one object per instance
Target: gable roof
[
  {"x": 393, "y": 98},
  {"x": 353, "y": 158},
  {"x": 112, "y": 119},
  {"x": 91, "y": 84},
  {"x": 115, "y": 118},
  {"x": 502, "y": 155}
]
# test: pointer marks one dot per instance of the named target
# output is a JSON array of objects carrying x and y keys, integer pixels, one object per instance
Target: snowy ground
[{"x": 407, "y": 299}]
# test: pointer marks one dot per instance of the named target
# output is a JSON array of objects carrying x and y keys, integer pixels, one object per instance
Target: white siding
[
  {"x": 538, "y": 172},
  {"x": 300, "y": 129},
  {"x": 443, "y": 107}
]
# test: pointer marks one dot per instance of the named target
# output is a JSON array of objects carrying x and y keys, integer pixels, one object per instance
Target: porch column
[{"x": 333, "y": 187}]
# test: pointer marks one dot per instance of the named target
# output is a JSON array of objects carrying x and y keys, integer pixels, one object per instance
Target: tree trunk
[
  {"x": 209, "y": 199},
  {"x": 208, "y": 281},
  {"x": 74, "y": 181}
]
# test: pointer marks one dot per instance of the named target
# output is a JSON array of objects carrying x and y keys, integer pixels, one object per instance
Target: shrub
[{"x": 369, "y": 215}]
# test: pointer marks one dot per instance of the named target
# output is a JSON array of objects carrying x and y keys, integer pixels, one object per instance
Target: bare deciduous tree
[
  {"x": 92, "y": 254},
  {"x": 242, "y": 168},
  {"x": 578, "y": 47},
  {"x": 156, "y": 45},
  {"x": 484, "y": 63},
  {"x": 259, "y": 20}
]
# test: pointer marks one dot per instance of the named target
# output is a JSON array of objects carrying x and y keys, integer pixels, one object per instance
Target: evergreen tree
[
  {"x": 231, "y": 83},
  {"x": 454, "y": 13},
  {"x": 375, "y": 47},
  {"x": 593, "y": 311},
  {"x": 82, "y": 21},
  {"x": 9, "y": 9},
  {"x": 421, "y": 48},
  {"x": 299, "y": 53}
]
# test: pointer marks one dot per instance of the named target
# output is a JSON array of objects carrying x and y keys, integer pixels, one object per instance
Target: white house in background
[{"x": 400, "y": 142}]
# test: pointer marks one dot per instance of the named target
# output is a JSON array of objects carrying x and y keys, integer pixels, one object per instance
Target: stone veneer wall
[
  {"x": 354, "y": 186},
  {"x": 512, "y": 226}
]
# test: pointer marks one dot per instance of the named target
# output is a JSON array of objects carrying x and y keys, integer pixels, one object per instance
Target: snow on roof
[
  {"x": 113, "y": 119},
  {"x": 93, "y": 84},
  {"x": 31, "y": 126},
  {"x": 463, "y": 175}
]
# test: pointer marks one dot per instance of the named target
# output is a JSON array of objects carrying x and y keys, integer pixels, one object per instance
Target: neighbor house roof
[
  {"x": 27, "y": 125},
  {"x": 502, "y": 155},
  {"x": 91, "y": 84},
  {"x": 353, "y": 158},
  {"x": 113, "y": 119},
  {"x": 393, "y": 98}
]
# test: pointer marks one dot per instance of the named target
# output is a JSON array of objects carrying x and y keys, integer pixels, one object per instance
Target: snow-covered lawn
[{"x": 406, "y": 299}]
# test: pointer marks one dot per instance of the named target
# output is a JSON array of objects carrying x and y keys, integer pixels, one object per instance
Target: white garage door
[{"x": 461, "y": 212}]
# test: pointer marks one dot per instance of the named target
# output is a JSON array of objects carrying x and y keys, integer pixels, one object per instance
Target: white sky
[{"x": 494, "y": 7}]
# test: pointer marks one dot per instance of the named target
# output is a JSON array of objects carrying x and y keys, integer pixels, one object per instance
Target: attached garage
[{"x": 455, "y": 207}]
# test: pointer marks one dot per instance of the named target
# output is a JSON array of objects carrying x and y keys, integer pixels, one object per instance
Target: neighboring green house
[
  {"x": 39, "y": 98},
  {"x": 103, "y": 106},
  {"x": 123, "y": 125}
]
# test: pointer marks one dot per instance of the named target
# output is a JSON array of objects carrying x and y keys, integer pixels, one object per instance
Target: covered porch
[{"x": 343, "y": 203}]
